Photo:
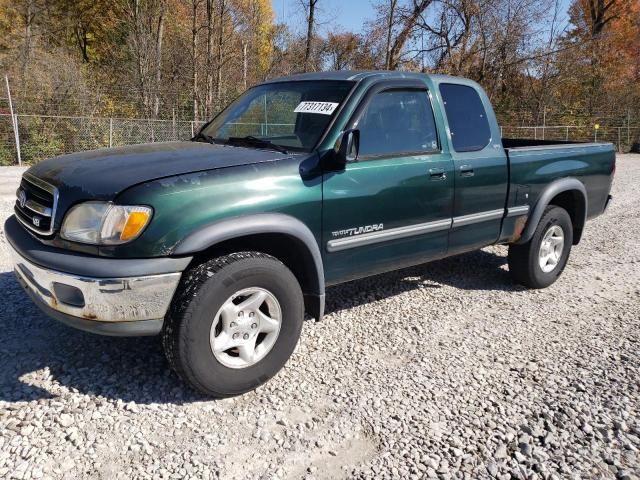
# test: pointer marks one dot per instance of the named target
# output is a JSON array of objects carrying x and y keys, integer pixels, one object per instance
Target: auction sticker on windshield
[{"x": 323, "y": 108}]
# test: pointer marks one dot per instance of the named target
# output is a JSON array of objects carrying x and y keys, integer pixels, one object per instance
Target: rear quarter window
[{"x": 467, "y": 117}]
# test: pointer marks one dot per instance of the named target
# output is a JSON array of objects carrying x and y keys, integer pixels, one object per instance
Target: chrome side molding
[
  {"x": 340, "y": 244},
  {"x": 387, "y": 235},
  {"x": 516, "y": 211},
  {"x": 477, "y": 217}
]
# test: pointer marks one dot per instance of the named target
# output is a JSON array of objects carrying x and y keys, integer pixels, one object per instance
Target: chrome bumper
[{"x": 97, "y": 300}]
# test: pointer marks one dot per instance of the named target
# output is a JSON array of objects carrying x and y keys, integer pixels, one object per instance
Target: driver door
[{"x": 392, "y": 206}]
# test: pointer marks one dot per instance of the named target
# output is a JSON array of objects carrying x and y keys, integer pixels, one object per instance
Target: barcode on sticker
[{"x": 323, "y": 108}]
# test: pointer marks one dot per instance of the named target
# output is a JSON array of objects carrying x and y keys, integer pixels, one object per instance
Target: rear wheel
[
  {"x": 539, "y": 263},
  {"x": 234, "y": 323}
]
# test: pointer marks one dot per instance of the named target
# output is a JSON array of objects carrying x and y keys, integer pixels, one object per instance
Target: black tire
[
  {"x": 524, "y": 265},
  {"x": 204, "y": 289}
]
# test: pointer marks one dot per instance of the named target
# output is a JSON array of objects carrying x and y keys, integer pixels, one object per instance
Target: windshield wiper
[
  {"x": 203, "y": 136},
  {"x": 257, "y": 142}
]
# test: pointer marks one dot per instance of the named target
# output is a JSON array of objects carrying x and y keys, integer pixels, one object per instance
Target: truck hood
[{"x": 102, "y": 174}]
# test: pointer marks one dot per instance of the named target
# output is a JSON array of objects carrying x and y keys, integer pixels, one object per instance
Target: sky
[{"x": 350, "y": 15}]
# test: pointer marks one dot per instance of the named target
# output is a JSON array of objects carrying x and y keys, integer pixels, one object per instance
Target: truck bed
[
  {"x": 511, "y": 143},
  {"x": 533, "y": 164}
]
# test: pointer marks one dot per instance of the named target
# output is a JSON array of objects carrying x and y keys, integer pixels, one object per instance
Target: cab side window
[
  {"x": 397, "y": 122},
  {"x": 467, "y": 118}
]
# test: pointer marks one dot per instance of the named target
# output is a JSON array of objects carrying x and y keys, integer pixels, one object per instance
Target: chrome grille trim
[
  {"x": 52, "y": 211},
  {"x": 37, "y": 208}
]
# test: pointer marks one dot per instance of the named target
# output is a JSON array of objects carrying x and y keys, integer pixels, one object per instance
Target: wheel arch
[
  {"x": 279, "y": 235},
  {"x": 568, "y": 193}
]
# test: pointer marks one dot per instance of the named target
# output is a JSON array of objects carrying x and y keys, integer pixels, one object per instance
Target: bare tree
[
  {"x": 545, "y": 71},
  {"x": 392, "y": 4},
  {"x": 310, "y": 9},
  {"x": 450, "y": 35},
  {"x": 28, "y": 11},
  {"x": 222, "y": 13},
  {"x": 158, "y": 60},
  {"x": 409, "y": 18},
  {"x": 195, "y": 27},
  {"x": 211, "y": 28},
  {"x": 146, "y": 22}
]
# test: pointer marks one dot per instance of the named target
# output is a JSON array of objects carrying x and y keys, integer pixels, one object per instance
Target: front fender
[{"x": 256, "y": 224}]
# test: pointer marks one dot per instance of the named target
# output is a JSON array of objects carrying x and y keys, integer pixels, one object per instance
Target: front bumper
[{"x": 123, "y": 305}]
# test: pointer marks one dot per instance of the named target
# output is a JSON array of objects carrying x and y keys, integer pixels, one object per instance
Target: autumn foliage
[{"x": 188, "y": 58}]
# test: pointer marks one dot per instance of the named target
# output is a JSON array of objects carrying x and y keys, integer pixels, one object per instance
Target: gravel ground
[{"x": 446, "y": 370}]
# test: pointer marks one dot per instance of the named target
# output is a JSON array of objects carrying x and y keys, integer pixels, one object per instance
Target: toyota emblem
[{"x": 22, "y": 198}]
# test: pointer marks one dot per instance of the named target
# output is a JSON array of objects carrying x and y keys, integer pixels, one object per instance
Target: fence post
[
  {"x": 16, "y": 129},
  {"x": 628, "y": 129},
  {"x": 14, "y": 121},
  {"x": 192, "y": 134},
  {"x": 110, "y": 132},
  {"x": 619, "y": 142},
  {"x": 566, "y": 137}
]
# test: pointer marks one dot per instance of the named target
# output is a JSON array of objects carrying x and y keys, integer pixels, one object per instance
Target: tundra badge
[{"x": 350, "y": 232}]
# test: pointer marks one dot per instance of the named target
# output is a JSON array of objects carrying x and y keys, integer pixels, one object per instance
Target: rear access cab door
[
  {"x": 391, "y": 206},
  {"x": 481, "y": 177}
]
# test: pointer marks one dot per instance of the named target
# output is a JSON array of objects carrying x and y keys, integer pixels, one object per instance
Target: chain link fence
[
  {"x": 45, "y": 136},
  {"x": 622, "y": 137}
]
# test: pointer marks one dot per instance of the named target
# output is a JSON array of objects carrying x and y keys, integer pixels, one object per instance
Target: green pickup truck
[{"x": 221, "y": 244}]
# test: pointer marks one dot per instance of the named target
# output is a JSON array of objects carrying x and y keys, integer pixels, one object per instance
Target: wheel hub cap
[
  {"x": 551, "y": 249},
  {"x": 246, "y": 327}
]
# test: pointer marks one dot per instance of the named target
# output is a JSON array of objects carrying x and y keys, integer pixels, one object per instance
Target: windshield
[{"x": 290, "y": 115}]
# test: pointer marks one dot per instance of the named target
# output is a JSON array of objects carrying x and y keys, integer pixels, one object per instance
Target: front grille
[{"x": 36, "y": 205}]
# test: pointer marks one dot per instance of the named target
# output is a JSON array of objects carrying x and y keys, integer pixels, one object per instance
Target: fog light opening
[{"x": 68, "y": 295}]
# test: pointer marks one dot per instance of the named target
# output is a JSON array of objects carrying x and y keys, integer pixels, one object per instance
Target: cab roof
[{"x": 356, "y": 76}]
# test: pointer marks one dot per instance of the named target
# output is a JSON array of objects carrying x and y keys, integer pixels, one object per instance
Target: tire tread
[
  {"x": 520, "y": 259},
  {"x": 185, "y": 301}
]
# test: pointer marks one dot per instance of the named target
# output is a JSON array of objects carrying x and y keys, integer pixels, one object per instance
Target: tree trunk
[
  {"x": 158, "y": 65},
  {"x": 310, "y": 28},
  {"x": 220, "y": 45},
  {"x": 408, "y": 25},
  {"x": 28, "y": 21},
  {"x": 194, "y": 58},
  {"x": 244, "y": 64},
  {"x": 140, "y": 55},
  {"x": 598, "y": 11},
  {"x": 392, "y": 10},
  {"x": 83, "y": 42},
  {"x": 210, "y": 50}
]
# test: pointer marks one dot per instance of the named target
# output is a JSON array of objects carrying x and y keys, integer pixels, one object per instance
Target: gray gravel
[{"x": 446, "y": 370}]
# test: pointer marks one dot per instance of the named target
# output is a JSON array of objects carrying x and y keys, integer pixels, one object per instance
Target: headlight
[{"x": 103, "y": 223}]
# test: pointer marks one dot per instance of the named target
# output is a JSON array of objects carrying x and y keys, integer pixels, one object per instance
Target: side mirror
[{"x": 346, "y": 148}]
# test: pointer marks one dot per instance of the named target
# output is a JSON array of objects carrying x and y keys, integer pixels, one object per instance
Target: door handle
[
  {"x": 466, "y": 171},
  {"x": 437, "y": 174}
]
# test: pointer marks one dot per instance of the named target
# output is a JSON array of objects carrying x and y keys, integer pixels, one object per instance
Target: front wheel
[
  {"x": 233, "y": 323},
  {"x": 539, "y": 262}
]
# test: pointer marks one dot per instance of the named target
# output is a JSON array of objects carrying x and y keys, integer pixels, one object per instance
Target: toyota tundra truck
[{"x": 221, "y": 244}]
